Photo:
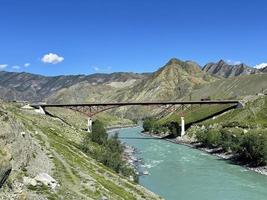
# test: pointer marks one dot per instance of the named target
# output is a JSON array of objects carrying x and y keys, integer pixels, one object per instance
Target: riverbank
[
  {"x": 218, "y": 152},
  {"x": 129, "y": 153},
  {"x": 173, "y": 170}
]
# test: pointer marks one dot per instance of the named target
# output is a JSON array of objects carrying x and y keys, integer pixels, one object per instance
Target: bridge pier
[
  {"x": 182, "y": 126},
  {"x": 89, "y": 124},
  {"x": 41, "y": 110}
]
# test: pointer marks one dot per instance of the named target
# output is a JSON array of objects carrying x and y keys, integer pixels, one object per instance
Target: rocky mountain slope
[
  {"x": 175, "y": 80},
  {"x": 264, "y": 70},
  {"x": 47, "y": 163},
  {"x": 172, "y": 81},
  {"x": 31, "y": 87},
  {"x": 226, "y": 70}
]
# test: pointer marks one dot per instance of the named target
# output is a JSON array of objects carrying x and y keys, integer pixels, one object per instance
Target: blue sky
[{"x": 89, "y": 36}]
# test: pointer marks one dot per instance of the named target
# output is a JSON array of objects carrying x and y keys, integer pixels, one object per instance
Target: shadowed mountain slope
[{"x": 31, "y": 87}]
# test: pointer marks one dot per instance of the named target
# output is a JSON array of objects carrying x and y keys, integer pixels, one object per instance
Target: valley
[{"x": 93, "y": 162}]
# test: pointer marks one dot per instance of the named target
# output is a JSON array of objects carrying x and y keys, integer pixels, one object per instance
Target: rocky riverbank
[{"x": 130, "y": 154}]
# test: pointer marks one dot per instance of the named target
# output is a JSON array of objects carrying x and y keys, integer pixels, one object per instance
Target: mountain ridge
[
  {"x": 174, "y": 80},
  {"x": 223, "y": 69}
]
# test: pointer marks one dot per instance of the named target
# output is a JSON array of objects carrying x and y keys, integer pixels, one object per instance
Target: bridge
[{"x": 91, "y": 109}]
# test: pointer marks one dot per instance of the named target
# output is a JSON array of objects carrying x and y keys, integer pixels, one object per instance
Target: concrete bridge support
[
  {"x": 89, "y": 125},
  {"x": 41, "y": 110},
  {"x": 182, "y": 126}
]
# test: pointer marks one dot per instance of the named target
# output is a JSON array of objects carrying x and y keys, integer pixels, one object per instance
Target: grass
[
  {"x": 253, "y": 115},
  {"x": 72, "y": 168},
  {"x": 193, "y": 114}
]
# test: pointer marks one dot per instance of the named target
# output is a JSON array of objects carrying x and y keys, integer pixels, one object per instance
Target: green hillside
[
  {"x": 42, "y": 144},
  {"x": 241, "y": 132},
  {"x": 236, "y": 87}
]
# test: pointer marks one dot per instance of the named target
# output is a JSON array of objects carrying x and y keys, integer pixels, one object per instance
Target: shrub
[
  {"x": 99, "y": 134},
  {"x": 213, "y": 138},
  {"x": 108, "y": 151},
  {"x": 231, "y": 139},
  {"x": 148, "y": 124},
  {"x": 201, "y": 136},
  {"x": 254, "y": 148}
]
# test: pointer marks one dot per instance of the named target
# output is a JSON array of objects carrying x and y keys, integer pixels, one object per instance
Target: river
[{"x": 178, "y": 172}]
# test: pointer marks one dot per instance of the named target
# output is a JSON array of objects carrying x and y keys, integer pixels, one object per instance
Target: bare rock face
[
  {"x": 226, "y": 70},
  {"x": 264, "y": 70}
]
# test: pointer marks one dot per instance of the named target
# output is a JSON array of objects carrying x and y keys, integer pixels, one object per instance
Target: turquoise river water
[{"x": 178, "y": 172}]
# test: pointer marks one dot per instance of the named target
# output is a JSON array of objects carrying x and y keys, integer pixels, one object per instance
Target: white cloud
[
  {"x": 233, "y": 62},
  {"x": 96, "y": 69},
  {"x": 27, "y": 64},
  {"x": 52, "y": 58},
  {"x": 259, "y": 66},
  {"x": 16, "y": 67},
  {"x": 3, "y": 66}
]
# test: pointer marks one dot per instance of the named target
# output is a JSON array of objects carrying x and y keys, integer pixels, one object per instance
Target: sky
[{"x": 55, "y": 37}]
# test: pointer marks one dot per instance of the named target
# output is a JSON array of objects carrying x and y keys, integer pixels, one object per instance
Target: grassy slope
[
  {"x": 233, "y": 87},
  {"x": 79, "y": 120},
  {"x": 80, "y": 176},
  {"x": 194, "y": 114},
  {"x": 254, "y": 114}
]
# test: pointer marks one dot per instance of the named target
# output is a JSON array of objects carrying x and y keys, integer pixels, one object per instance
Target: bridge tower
[
  {"x": 41, "y": 110},
  {"x": 182, "y": 126},
  {"x": 182, "y": 122},
  {"x": 89, "y": 124}
]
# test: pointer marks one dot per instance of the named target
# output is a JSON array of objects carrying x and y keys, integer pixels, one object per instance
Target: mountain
[
  {"x": 175, "y": 79},
  {"x": 264, "y": 70},
  {"x": 226, "y": 70},
  {"x": 31, "y": 87}
]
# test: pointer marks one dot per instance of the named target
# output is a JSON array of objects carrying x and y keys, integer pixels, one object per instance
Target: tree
[
  {"x": 99, "y": 134},
  {"x": 148, "y": 124}
]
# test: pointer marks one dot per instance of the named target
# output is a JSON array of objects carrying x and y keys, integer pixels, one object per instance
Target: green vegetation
[
  {"x": 241, "y": 132},
  {"x": 110, "y": 151},
  {"x": 80, "y": 175},
  {"x": 151, "y": 125},
  {"x": 232, "y": 88},
  {"x": 170, "y": 123},
  {"x": 79, "y": 120},
  {"x": 250, "y": 147}
]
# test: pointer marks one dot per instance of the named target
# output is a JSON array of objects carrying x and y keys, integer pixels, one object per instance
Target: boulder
[
  {"x": 47, "y": 180},
  {"x": 29, "y": 181},
  {"x": 103, "y": 198}
]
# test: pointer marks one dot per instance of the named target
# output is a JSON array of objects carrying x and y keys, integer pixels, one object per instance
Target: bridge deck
[{"x": 140, "y": 103}]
